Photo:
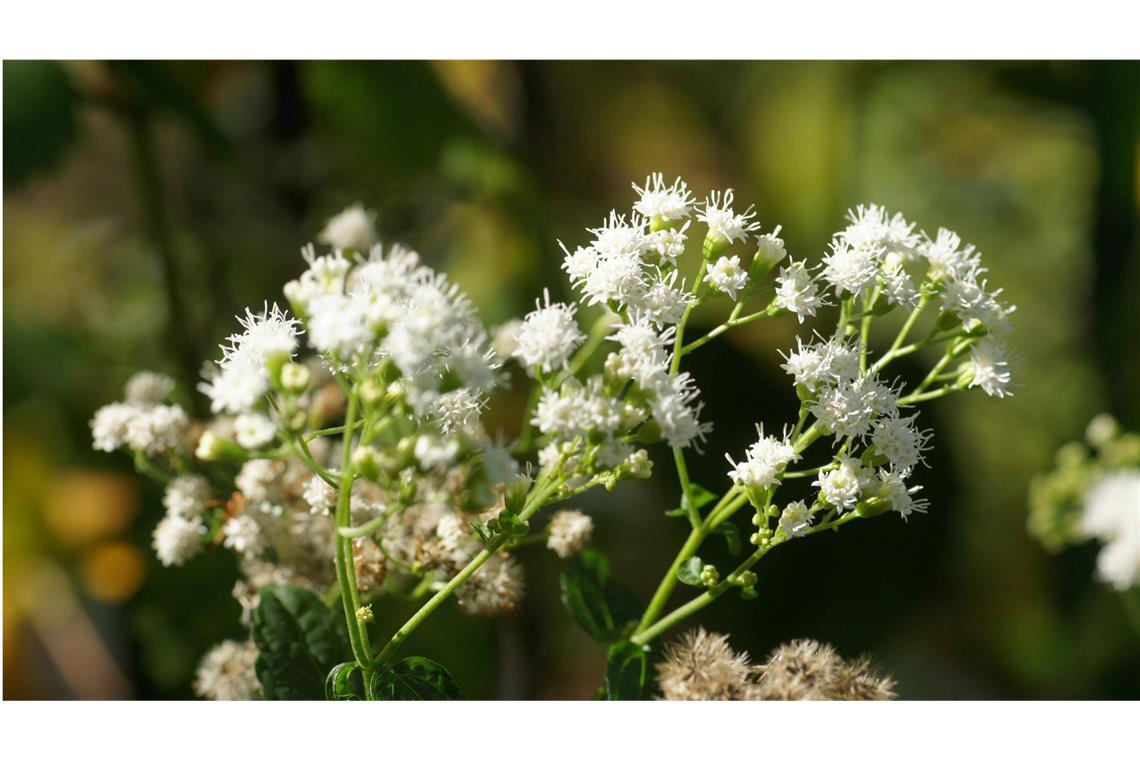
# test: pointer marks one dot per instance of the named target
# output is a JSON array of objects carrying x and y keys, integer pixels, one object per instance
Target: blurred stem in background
[{"x": 152, "y": 202}]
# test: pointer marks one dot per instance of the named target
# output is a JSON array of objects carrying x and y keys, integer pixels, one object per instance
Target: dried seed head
[{"x": 703, "y": 666}]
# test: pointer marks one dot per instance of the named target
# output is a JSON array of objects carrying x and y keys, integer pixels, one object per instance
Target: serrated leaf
[
  {"x": 602, "y": 607},
  {"x": 338, "y": 685},
  {"x": 413, "y": 678},
  {"x": 628, "y": 674},
  {"x": 731, "y": 536},
  {"x": 689, "y": 572},
  {"x": 299, "y": 640}
]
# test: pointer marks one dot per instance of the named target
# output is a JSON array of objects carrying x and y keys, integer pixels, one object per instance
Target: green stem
[
  {"x": 916, "y": 398},
  {"x": 345, "y": 568},
  {"x": 647, "y": 634},
  {"x": 536, "y": 501},
  {"x": 686, "y": 486}
]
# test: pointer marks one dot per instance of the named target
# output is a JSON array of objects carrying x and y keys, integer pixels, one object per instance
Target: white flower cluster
[
  {"x": 764, "y": 461},
  {"x": 547, "y": 337},
  {"x": 390, "y": 308},
  {"x": 142, "y": 422},
  {"x": 240, "y": 379},
  {"x": 1112, "y": 514},
  {"x": 180, "y": 535},
  {"x": 569, "y": 532}
]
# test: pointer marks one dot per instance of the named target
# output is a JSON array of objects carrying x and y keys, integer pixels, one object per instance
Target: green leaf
[
  {"x": 678, "y": 512},
  {"x": 689, "y": 572},
  {"x": 602, "y": 607},
  {"x": 732, "y": 536},
  {"x": 700, "y": 495},
  {"x": 628, "y": 675},
  {"x": 338, "y": 685},
  {"x": 299, "y": 640},
  {"x": 414, "y": 678}
]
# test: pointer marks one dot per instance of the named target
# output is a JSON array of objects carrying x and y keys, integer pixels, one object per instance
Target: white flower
[
  {"x": 819, "y": 365},
  {"x": 355, "y": 228},
  {"x": 580, "y": 264},
  {"x": 770, "y": 249},
  {"x": 872, "y": 227},
  {"x": 664, "y": 303},
  {"x": 947, "y": 257},
  {"x": 969, "y": 299},
  {"x": 505, "y": 337},
  {"x": 726, "y": 276},
  {"x": 796, "y": 291},
  {"x": 458, "y": 410},
  {"x": 227, "y": 673},
  {"x": 109, "y": 426},
  {"x": 850, "y": 269},
  {"x": 253, "y": 431},
  {"x": 241, "y": 378},
  {"x": 842, "y": 486},
  {"x": 432, "y": 452},
  {"x": 660, "y": 202},
  {"x": 243, "y": 535},
  {"x": 319, "y": 495},
  {"x": 340, "y": 325},
  {"x": 989, "y": 368},
  {"x": 258, "y": 477},
  {"x": 892, "y": 487},
  {"x": 764, "y": 462},
  {"x": 148, "y": 388},
  {"x": 897, "y": 284},
  {"x": 725, "y": 225},
  {"x": 548, "y": 336},
  {"x": 676, "y": 411},
  {"x": 569, "y": 532},
  {"x": 178, "y": 538},
  {"x": 795, "y": 519},
  {"x": 580, "y": 409},
  {"x": 900, "y": 441},
  {"x": 668, "y": 243},
  {"x": 187, "y": 495},
  {"x": 1112, "y": 514},
  {"x": 844, "y": 409},
  {"x": 618, "y": 278},
  {"x": 157, "y": 429}
]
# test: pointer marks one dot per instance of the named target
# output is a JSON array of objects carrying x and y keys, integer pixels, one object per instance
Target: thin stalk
[
  {"x": 345, "y": 568},
  {"x": 686, "y": 492},
  {"x": 917, "y": 398},
  {"x": 537, "y": 499},
  {"x": 700, "y": 602}
]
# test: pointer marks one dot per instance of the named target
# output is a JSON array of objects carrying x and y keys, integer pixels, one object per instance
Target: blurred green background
[{"x": 146, "y": 203}]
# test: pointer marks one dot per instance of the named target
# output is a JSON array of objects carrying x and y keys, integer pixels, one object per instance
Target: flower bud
[
  {"x": 371, "y": 391},
  {"x": 366, "y": 460},
  {"x": 212, "y": 447},
  {"x": 295, "y": 378},
  {"x": 770, "y": 251}
]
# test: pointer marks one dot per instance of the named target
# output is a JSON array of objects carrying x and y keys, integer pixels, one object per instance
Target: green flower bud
[
  {"x": 295, "y": 378},
  {"x": 366, "y": 460}
]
